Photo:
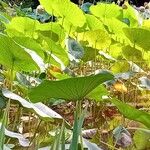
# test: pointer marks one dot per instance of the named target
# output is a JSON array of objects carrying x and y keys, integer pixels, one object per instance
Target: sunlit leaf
[
  {"x": 115, "y": 50},
  {"x": 146, "y": 24},
  {"x": 139, "y": 37},
  {"x": 100, "y": 39},
  {"x": 131, "y": 14},
  {"x": 23, "y": 25},
  {"x": 120, "y": 67},
  {"x": 66, "y": 10},
  {"x": 106, "y": 10},
  {"x": 97, "y": 93},
  {"x": 12, "y": 55},
  {"x": 93, "y": 23},
  {"x": 30, "y": 43},
  {"x": 56, "y": 49}
]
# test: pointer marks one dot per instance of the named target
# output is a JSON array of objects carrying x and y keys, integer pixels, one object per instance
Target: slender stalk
[
  {"x": 34, "y": 136},
  {"x": 8, "y": 104}
]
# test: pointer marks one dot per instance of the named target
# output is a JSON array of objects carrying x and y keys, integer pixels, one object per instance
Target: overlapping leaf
[
  {"x": 66, "y": 10},
  {"x": 139, "y": 37},
  {"x": 104, "y": 10},
  {"x": 100, "y": 39},
  {"x": 12, "y": 55}
]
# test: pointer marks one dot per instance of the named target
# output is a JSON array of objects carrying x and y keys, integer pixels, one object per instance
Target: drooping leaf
[
  {"x": 132, "y": 113},
  {"x": 12, "y": 55},
  {"x": 70, "y": 89},
  {"x": 107, "y": 56},
  {"x": 122, "y": 136},
  {"x": 22, "y": 141},
  {"x": 23, "y": 79},
  {"x": 41, "y": 109},
  {"x": 124, "y": 75},
  {"x": 134, "y": 67}
]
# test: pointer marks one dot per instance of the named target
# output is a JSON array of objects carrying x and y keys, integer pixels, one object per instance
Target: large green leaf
[
  {"x": 139, "y": 37},
  {"x": 30, "y": 43},
  {"x": 100, "y": 39},
  {"x": 12, "y": 55},
  {"x": 94, "y": 23},
  {"x": 132, "y": 113},
  {"x": 23, "y": 25},
  {"x": 106, "y": 10},
  {"x": 52, "y": 48},
  {"x": 52, "y": 30},
  {"x": 66, "y": 10},
  {"x": 115, "y": 27},
  {"x": 70, "y": 89}
]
